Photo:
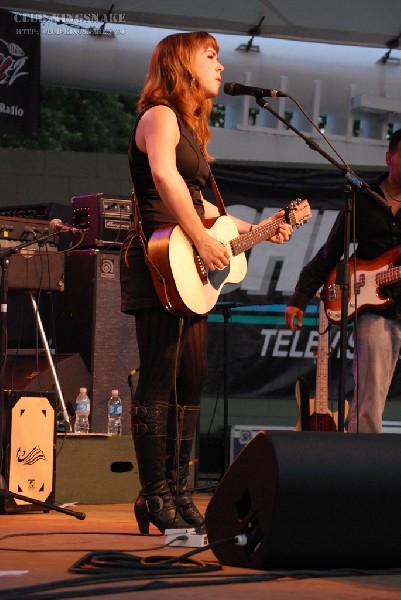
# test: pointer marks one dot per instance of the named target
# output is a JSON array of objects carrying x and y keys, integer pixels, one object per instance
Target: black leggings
[{"x": 157, "y": 334}]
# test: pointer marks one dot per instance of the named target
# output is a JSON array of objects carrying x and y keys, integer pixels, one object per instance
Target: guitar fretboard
[
  {"x": 390, "y": 276},
  {"x": 258, "y": 235},
  {"x": 295, "y": 214},
  {"x": 322, "y": 357}
]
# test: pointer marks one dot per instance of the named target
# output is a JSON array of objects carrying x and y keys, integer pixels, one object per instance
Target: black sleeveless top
[{"x": 136, "y": 285}]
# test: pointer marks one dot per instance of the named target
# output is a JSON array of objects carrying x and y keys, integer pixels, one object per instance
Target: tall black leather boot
[
  {"x": 185, "y": 427},
  {"x": 155, "y": 503}
]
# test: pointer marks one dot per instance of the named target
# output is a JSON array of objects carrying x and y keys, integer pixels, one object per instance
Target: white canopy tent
[{"x": 360, "y": 22}]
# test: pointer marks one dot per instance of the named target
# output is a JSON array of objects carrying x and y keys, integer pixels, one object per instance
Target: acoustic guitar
[
  {"x": 181, "y": 281},
  {"x": 314, "y": 413}
]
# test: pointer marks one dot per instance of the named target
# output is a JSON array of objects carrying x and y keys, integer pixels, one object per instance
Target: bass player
[{"x": 378, "y": 340}]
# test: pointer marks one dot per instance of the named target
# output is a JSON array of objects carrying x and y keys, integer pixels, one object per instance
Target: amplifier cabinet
[
  {"x": 104, "y": 220},
  {"x": 29, "y": 461},
  {"x": 90, "y": 322},
  {"x": 37, "y": 271}
]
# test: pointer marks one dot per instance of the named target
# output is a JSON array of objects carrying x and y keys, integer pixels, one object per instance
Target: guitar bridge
[{"x": 200, "y": 267}]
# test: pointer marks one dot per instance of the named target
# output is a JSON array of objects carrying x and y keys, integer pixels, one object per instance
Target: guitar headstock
[{"x": 297, "y": 212}]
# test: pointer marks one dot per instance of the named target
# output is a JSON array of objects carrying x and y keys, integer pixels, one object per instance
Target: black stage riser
[{"x": 311, "y": 500}]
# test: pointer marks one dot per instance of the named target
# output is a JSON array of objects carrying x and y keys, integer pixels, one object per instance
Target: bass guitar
[
  {"x": 315, "y": 414},
  {"x": 183, "y": 284},
  {"x": 366, "y": 280}
]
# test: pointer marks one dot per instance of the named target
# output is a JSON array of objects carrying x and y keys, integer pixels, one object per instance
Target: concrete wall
[{"x": 37, "y": 177}]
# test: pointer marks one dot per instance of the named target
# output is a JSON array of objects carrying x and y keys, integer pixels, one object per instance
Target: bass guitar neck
[{"x": 315, "y": 414}]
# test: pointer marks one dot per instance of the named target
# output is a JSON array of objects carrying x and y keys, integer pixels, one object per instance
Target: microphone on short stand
[
  {"x": 237, "y": 89},
  {"x": 58, "y": 225}
]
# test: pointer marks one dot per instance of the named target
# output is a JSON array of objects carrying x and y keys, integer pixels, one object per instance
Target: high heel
[
  {"x": 142, "y": 515},
  {"x": 186, "y": 506},
  {"x": 157, "y": 507}
]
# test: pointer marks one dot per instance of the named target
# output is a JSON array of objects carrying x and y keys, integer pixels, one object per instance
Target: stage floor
[{"x": 38, "y": 549}]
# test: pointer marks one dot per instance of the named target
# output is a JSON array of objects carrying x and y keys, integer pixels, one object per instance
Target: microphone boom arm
[{"x": 351, "y": 177}]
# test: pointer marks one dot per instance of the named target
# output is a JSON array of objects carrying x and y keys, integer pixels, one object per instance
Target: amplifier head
[
  {"x": 35, "y": 266},
  {"x": 103, "y": 219},
  {"x": 15, "y": 229}
]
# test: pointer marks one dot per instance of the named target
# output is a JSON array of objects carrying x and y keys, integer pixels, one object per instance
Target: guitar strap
[
  {"x": 158, "y": 280},
  {"x": 217, "y": 195},
  {"x": 215, "y": 189}
]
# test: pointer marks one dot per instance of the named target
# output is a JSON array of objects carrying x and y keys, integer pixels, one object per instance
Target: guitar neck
[
  {"x": 389, "y": 276},
  {"x": 252, "y": 238},
  {"x": 322, "y": 357}
]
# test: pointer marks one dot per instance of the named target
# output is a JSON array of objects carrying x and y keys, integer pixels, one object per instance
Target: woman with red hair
[{"x": 169, "y": 165}]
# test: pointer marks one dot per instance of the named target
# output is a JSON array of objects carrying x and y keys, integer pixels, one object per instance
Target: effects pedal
[{"x": 187, "y": 538}]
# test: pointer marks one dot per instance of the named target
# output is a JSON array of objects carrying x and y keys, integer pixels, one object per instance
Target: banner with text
[{"x": 19, "y": 73}]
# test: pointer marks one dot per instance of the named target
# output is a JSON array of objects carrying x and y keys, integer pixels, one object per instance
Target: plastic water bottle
[
  {"x": 115, "y": 414},
  {"x": 82, "y": 411}
]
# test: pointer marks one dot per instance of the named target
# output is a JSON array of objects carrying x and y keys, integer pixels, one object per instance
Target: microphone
[
  {"x": 237, "y": 89},
  {"x": 58, "y": 225}
]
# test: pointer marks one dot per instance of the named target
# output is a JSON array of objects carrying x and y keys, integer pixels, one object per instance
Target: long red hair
[{"x": 171, "y": 79}]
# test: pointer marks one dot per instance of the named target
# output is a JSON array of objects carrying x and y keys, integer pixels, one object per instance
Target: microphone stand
[
  {"x": 5, "y": 255},
  {"x": 225, "y": 308},
  {"x": 351, "y": 184}
]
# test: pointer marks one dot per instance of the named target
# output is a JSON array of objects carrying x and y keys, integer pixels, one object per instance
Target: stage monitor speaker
[
  {"x": 29, "y": 442},
  {"x": 308, "y": 500},
  {"x": 90, "y": 322},
  {"x": 33, "y": 373}
]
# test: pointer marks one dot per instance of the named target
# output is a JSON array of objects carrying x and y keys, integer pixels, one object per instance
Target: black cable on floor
[
  {"x": 116, "y": 561},
  {"x": 39, "y": 592},
  {"x": 113, "y": 567},
  {"x": 74, "y": 533}
]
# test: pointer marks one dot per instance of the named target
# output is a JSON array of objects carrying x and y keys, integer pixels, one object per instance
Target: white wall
[{"x": 323, "y": 79}]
